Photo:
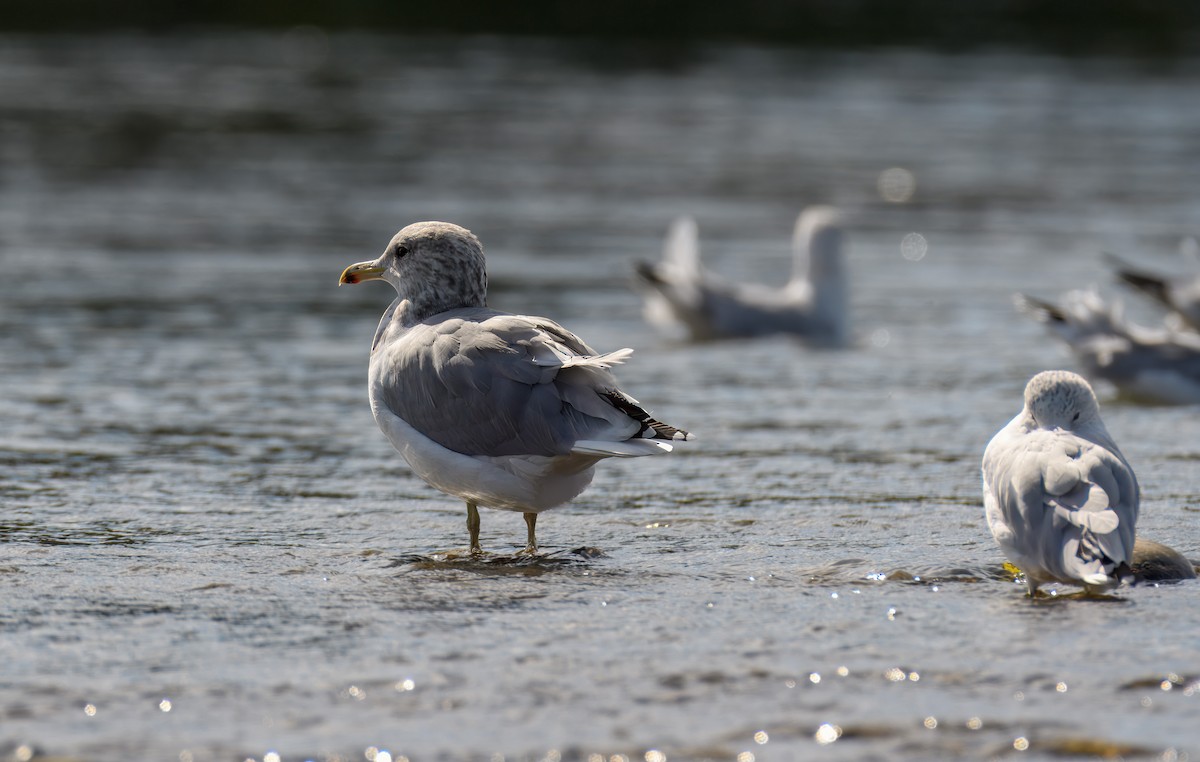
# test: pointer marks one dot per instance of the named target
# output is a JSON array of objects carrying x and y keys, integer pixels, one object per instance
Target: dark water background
[{"x": 208, "y": 551}]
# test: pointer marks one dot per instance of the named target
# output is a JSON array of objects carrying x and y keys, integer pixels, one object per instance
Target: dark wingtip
[
  {"x": 652, "y": 428},
  {"x": 1143, "y": 281},
  {"x": 1040, "y": 309},
  {"x": 648, "y": 272},
  {"x": 1148, "y": 284}
]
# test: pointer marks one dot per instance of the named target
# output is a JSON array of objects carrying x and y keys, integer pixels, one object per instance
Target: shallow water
[{"x": 208, "y": 551}]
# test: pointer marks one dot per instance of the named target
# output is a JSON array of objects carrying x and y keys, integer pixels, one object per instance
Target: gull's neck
[
  {"x": 819, "y": 275},
  {"x": 420, "y": 298},
  {"x": 385, "y": 323},
  {"x": 403, "y": 314},
  {"x": 817, "y": 254}
]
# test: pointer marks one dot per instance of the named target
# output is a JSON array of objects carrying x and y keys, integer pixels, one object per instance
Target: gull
[
  {"x": 679, "y": 291},
  {"x": 1160, "y": 365},
  {"x": 1179, "y": 293},
  {"x": 1059, "y": 497},
  {"x": 503, "y": 411}
]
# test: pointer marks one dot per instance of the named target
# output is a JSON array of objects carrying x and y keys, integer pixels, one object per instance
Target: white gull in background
[
  {"x": 503, "y": 411},
  {"x": 1179, "y": 293},
  {"x": 1160, "y": 365},
  {"x": 813, "y": 304},
  {"x": 1059, "y": 497}
]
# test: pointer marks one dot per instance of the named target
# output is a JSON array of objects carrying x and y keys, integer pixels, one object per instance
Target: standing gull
[
  {"x": 504, "y": 411},
  {"x": 1059, "y": 497},
  {"x": 813, "y": 305}
]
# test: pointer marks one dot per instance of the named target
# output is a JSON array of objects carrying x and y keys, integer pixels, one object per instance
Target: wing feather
[
  {"x": 1065, "y": 506},
  {"x": 482, "y": 382}
]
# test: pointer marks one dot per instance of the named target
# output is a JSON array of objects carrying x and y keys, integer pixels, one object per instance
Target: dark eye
[
  {"x": 1076, "y": 418},
  {"x": 401, "y": 251}
]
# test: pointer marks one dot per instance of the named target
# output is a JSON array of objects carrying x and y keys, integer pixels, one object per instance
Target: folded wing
[
  {"x": 482, "y": 382},
  {"x": 1070, "y": 504}
]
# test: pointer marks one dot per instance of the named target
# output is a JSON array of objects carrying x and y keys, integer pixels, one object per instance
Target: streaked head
[
  {"x": 435, "y": 265},
  {"x": 1060, "y": 399}
]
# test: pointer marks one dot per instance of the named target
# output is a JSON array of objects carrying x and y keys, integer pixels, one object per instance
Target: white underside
[{"x": 525, "y": 483}]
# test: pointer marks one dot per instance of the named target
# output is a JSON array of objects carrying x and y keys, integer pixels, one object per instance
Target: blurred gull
[
  {"x": 813, "y": 304},
  {"x": 504, "y": 411},
  {"x": 1059, "y": 497},
  {"x": 1178, "y": 293},
  {"x": 1159, "y": 365}
]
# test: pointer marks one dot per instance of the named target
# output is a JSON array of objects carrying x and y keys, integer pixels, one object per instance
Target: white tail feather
[
  {"x": 630, "y": 448},
  {"x": 598, "y": 361}
]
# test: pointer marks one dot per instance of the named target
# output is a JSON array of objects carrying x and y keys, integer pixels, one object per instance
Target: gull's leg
[
  {"x": 473, "y": 526},
  {"x": 531, "y": 541}
]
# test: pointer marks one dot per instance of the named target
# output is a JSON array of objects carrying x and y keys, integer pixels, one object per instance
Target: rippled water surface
[{"x": 209, "y": 552}]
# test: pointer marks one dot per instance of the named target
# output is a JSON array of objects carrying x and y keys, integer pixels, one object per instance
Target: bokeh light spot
[
  {"x": 914, "y": 247},
  {"x": 896, "y": 185},
  {"x": 827, "y": 733}
]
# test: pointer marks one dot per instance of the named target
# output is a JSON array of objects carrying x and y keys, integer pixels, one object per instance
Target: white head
[
  {"x": 435, "y": 266},
  {"x": 1059, "y": 399}
]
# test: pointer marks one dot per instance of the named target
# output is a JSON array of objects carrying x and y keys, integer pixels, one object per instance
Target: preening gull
[
  {"x": 1159, "y": 365},
  {"x": 679, "y": 291},
  {"x": 1060, "y": 498},
  {"x": 504, "y": 411},
  {"x": 1178, "y": 293}
]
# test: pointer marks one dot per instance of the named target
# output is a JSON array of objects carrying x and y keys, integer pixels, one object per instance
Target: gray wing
[
  {"x": 1163, "y": 367},
  {"x": 482, "y": 382},
  {"x": 712, "y": 307},
  {"x": 679, "y": 289},
  {"x": 1161, "y": 357}
]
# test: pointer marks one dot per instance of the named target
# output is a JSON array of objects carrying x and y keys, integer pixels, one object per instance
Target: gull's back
[
  {"x": 680, "y": 292},
  {"x": 483, "y": 382},
  {"x": 1060, "y": 498},
  {"x": 1062, "y": 508}
]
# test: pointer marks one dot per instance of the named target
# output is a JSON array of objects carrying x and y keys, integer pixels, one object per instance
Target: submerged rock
[{"x": 1155, "y": 562}]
